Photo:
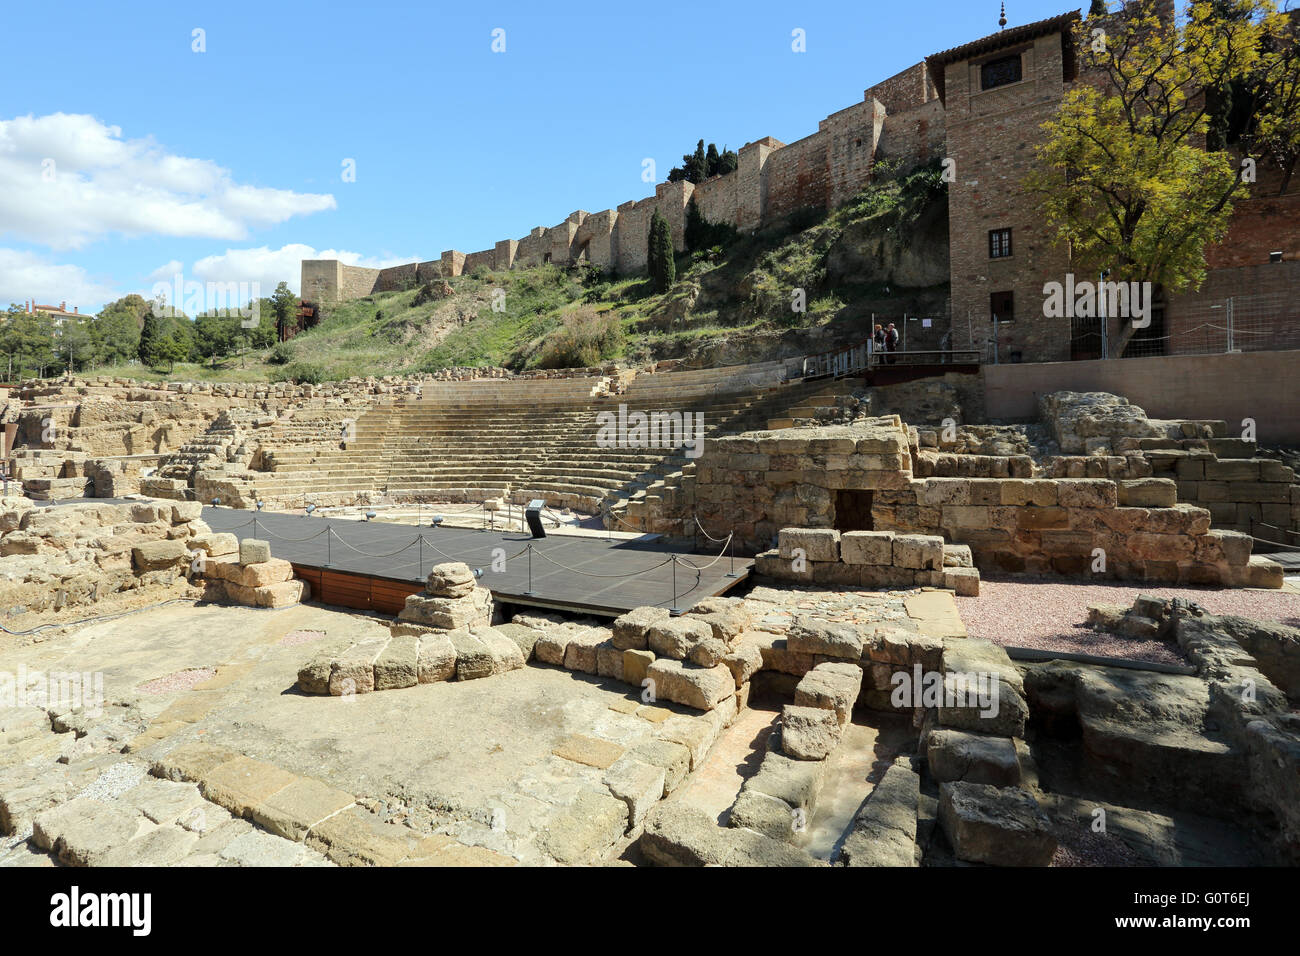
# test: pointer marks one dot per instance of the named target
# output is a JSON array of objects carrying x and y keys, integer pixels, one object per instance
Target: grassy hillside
[{"x": 885, "y": 252}]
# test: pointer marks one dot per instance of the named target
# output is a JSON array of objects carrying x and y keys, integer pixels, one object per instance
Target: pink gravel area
[
  {"x": 1091, "y": 849},
  {"x": 295, "y": 638},
  {"x": 1051, "y": 614},
  {"x": 179, "y": 681}
]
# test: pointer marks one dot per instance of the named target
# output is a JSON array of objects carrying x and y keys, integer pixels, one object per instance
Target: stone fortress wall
[{"x": 900, "y": 118}]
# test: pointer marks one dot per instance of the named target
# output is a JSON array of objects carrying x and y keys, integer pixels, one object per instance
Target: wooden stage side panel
[{"x": 361, "y": 592}]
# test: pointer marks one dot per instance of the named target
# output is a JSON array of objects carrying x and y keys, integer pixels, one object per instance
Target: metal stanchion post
[
  {"x": 254, "y": 524},
  {"x": 529, "y": 592},
  {"x": 675, "y": 611},
  {"x": 731, "y": 554},
  {"x": 421, "y": 556},
  {"x": 328, "y": 533}
]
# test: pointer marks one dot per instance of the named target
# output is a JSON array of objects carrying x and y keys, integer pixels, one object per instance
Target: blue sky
[{"x": 125, "y": 154}]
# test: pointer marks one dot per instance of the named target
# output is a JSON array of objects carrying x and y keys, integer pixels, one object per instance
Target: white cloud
[
  {"x": 27, "y": 275},
  {"x": 267, "y": 266},
  {"x": 164, "y": 273},
  {"x": 67, "y": 179}
]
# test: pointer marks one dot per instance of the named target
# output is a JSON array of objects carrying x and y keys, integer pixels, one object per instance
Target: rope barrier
[
  {"x": 310, "y": 537},
  {"x": 369, "y": 555},
  {"x": 589, "y": 574},
  {"x": 705, "y": 567},
  {"x": 706, "y": 534}
]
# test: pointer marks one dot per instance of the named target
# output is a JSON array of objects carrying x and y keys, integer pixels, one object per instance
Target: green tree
[
  {"x": 151, "y": 338},
  {"x": 1123, "y": 178},
  {"x": 284, "y": 306},
  {"x": 1098, "y": 9},
  {"x": 663, "y": 268},
  {"x": 75, "y": 345},
  {"x": 1274, "y": 129}
]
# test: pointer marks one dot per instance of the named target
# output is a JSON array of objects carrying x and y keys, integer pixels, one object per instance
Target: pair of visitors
[{"x": 891, "y": 342}]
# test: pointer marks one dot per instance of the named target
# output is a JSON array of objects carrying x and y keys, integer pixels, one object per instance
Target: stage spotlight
[
  {"x": 369, "y": 515},
  {"x": 216, "y": 502},
  {"x": 310, "y": 509},
  {"x": 437, "y": 521},
  {"x": 533, "y": 513}
]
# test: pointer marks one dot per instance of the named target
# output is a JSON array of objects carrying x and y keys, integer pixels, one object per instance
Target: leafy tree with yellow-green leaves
[{"x": 1124, "y": 175}]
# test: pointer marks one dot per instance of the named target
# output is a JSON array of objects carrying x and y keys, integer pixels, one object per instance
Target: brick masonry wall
[{"x": 992, "y": 135}]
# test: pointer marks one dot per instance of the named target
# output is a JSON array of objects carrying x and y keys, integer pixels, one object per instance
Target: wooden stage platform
[{"x": 374, "y": 566}]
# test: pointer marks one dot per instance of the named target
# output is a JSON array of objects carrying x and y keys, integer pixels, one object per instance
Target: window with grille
[
  {"x": 1000, "y": 72},
  {"x": 999, "y": 243}
]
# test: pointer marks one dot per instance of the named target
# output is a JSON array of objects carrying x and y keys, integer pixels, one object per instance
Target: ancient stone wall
[{"x": 772, "y": 180}]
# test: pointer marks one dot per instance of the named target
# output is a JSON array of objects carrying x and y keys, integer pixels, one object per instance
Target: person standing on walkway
[{"x": 891, "y": 342}]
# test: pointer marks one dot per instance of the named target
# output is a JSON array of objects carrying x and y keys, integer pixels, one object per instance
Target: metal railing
[{"x": 863, "y": 356}]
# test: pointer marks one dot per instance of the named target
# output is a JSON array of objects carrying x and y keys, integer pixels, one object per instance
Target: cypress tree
[
  {"x": 151, "y": 336},
  {"x": 696, "y": 232},
  {"x": 1098, "y": 8},
  {"x": 663, "y": 270}
]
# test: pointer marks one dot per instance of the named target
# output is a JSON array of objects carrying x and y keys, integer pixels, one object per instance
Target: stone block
[
  {"x": 473, "y": 658},
  {"x": 636, "y": 665},
  {"x": 976, "y": 758},
  {"x": 700, "y": 687},
  {"x": 397, "y": 665},
  {"x": 639, "y": 785},
  {"x": 832, "y": 687},
  {"x": 436, "y": 659},
  {"x": 809, "y": 733},
  {"x": 1001, "y": 827},
  {"x": 867, "y": 547},
  {"x": 810, "y": 635},
  {"x": 254, "y": 551},
  {"x": 580, "y": 655},
  {"x": 675, "y": 636},
  {"x": 589, "y": 751},
  {"x": 242, "y": 783},
  {"x": 159, "y": 556},
  {"x": 883, "y": 832},
  {"x": 301, "y": 805},
  {"x": 630, "y": 629},
  {"x": 505, "y": 653},
  {"x": 817, "y": 544},
  {"x": 1147, "y": 493},
  {"x": 920, "y": 552}
]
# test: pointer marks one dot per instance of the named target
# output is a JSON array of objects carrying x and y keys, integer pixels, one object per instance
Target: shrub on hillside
[
  {"x": 586, "y": 338},
  {"x": 303, "y": 373},
  {"x": 281, "y": 354}
]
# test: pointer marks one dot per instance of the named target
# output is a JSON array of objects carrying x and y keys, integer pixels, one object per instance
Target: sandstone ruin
[{"x": 252, "y": 719}]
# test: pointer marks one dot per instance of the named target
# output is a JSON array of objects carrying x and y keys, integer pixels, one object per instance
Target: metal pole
[
  {"x": 254, "y": 524},
  {"x": 731, "y": 554},
  {"x": 530, "y": 569},
  {"x": 675, "y": 610},
  {"x": 422, "y": 555},
  {"x": 328, "y": 532},
  {"x": 1105, "y": 330},
  {"x": 1231, "y": 344}
]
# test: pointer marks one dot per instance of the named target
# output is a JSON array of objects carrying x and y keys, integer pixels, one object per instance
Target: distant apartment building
[{"x": 59, "y": 314}]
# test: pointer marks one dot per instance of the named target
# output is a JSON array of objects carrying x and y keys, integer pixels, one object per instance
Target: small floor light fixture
[
  {"x": 216, "y": 502},
  {"x": 369, "y": 515},
  {"x": 437, "y": 521},
  {"x": 310, "y": 509}
]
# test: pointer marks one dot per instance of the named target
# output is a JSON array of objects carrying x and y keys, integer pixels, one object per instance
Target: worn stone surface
[
  {"x": 1002, "y": 827},
  {"x": 809, "y": 733}
]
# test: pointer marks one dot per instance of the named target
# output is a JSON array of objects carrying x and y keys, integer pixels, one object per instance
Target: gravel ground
[
  {"x": 116, "y": 780},
  {"x": 1050, "y": 614},
  {"x": 179, "y": 681},
  {"x": 295, "y": 638}
]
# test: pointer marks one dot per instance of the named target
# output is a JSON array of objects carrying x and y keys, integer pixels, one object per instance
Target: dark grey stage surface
[{"x": 571, "y": 572}]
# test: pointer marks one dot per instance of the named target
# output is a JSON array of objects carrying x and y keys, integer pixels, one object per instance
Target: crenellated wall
[{"x": 772, "y": 180}]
